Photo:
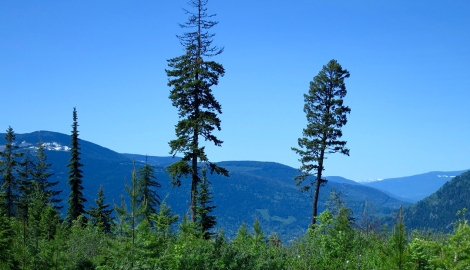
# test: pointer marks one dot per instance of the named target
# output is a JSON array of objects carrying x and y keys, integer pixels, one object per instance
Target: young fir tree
[
  {"x": 9, "y": 183},
  {"x": 76, "y": 199},
  {"x": 258, "y": 234},
  {"x": 242, "y": 235},
  {"x": 25, "y": 186},
  {"x": 326, "y": 115},
  {"x": 101, "y": 216},
  {"x": 148, "y": 183},
  {"x": 128, "y": 219},
  {"x": 191, "y": 77},
  {"x": 204, "y": 197},
  {"x": 398, "y": 242},
  {"x": 7, "y": 236},
  {"x": 25, "y": 190},
  {"x": 187, "y": 229},
  {"x": 41, "y": 174},
  {"x": 121, "y": 219},
  {"x": 164, "y": 220},
  {"x": 43, "y": 217}
]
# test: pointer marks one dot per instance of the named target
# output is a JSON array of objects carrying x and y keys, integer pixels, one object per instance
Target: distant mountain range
[
  {"x": 438, "y": 211},
  {"x": 416, "y": 187},
  {"x": 254, "y": 190}
]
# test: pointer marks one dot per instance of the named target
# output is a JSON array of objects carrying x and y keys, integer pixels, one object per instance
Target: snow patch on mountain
[
  {"x": 380, "y": 179},
  {"x": 51, "y": 146},
  {"x": 54, "y": 146},
  {"x": 370, "y": 180}
]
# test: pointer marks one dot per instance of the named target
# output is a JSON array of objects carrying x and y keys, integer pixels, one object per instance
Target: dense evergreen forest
[{"x": 142, "y": 232}]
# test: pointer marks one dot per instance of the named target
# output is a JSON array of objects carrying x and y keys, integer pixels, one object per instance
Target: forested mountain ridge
[
  {"x": 102, "y": 166},
  {"x": 438, "y": 211},
  {"x": 254, "y": 190}
]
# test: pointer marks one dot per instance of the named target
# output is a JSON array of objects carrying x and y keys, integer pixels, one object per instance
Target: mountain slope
[
  {"x": 102, "y": 166},
  {"x": 438, "y": 211},
  {"x": 416, "y": 187},
  {"x": 267, "y": 191},
  {"x": 339, "y": 179},
  {"x": 254, "y": 190},
  {"x": 159, "y": 161}
]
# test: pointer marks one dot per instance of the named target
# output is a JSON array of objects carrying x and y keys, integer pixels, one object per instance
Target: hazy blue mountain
[
  {"x": 160, "y": 161},
  {"x": 340, "y": 179},
  {"x": 254, "y": 190},
  {"x": 267, "y": 191},
  {"x": 416, "y": 187}
]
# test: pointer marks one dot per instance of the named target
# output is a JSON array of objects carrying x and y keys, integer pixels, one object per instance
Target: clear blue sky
[{"x": 409, "y": 89}]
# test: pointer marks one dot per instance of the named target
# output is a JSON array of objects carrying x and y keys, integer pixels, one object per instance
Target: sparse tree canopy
[
  {"x": 326, "y": 115},
  {"x": 191, "y": 77}
]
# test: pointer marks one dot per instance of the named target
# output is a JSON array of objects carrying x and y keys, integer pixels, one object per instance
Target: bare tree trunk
[
  {"x": 318, "y": 181},
  {"x": 317, "y": 190}
]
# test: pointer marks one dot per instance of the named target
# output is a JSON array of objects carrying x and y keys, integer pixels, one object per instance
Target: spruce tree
[
  {"x": 204, "y": 197},
  {"x": 326, "y": 115},
  {"x": 25, "y": 186},
  {"x": 41, "y": 174},
  {"x": 148, "y": 183},
  {"x": 25, "y": 189},
  {"x": 76, "y": 199},
  {"x": 43, "y": 217},
  {"x": 7, "y": 236},
  {"x": 191, "y": 77},
  {"x": 9, "y": 183},
  {"x": 164, "y": 220},
  {"x": 100, "y": 216},
  {"x": 258, "y": 234}
]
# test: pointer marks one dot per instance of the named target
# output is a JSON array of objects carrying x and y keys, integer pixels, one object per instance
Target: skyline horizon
[
  {"x": 236, "y": 160},
  {"x": 408, "y": 90}
]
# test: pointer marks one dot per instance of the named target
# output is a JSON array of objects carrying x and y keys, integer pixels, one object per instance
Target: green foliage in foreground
[{"x": 333, "y": 243}]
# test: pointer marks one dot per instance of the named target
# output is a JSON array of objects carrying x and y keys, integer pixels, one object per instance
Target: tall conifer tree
[
  {"x": 9, "y": 180},
  {"x": 191, "y": 77},
  {"x": 76, "y": 199},
  {"x": 326, "y": 115}
]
